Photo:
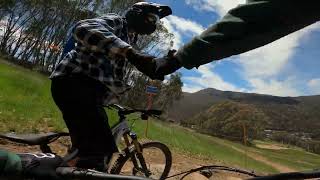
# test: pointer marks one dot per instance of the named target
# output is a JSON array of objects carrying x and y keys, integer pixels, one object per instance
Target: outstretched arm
[{"x": 246, "y": 27}]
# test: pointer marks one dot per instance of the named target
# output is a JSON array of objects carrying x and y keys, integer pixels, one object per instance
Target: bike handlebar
[
  {"x": 149, "y": 112},
  {"x": 285, "y": 176},
  {"x": 71, "y": 172},
  {"x": 290, "y": 175},
  {"x": 124, "y": 111}
]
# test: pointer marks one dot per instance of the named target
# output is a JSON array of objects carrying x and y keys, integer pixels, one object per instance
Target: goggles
[{"x": 152, "y": 18}]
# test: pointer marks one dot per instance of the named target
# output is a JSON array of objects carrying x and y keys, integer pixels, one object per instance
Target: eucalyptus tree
[{"x": 16, "y": 14}]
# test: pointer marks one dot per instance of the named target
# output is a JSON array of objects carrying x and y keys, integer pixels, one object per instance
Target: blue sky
[{"x": 287, "y": 67}]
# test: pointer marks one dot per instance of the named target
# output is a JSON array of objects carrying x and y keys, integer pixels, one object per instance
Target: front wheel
[{"x": 157, "y": 157}]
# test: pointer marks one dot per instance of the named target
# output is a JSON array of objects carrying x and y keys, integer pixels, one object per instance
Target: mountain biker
[
  {"x": 92, "y": 74},
  {"x": 246, "y": 27}
]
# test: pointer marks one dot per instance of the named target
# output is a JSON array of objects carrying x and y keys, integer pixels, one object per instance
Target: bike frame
[
  {"x": 133, "y": 149},
  {"x": 119, "y": 130}
]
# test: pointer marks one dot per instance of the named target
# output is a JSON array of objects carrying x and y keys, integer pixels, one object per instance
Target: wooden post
[
  {"x": 245, "y": 142},
  {"x": 149, "y": 105},
  {"x": 151, "y": 91}
]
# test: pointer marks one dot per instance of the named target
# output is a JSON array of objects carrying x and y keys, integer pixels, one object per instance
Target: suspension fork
[
  {"x": 132, "y": 155},
  {"x": 138, "y": 154}
]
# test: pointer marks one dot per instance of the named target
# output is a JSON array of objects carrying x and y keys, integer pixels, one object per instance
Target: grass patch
[
  {"x": 292, "y": 157},
  {"x": 25, "y": 101},
  {"x": 197, "y": 144}
]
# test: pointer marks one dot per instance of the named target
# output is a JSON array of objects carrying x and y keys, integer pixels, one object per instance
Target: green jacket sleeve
[
  {"x": 10, "y": 163},
  {"x": 248, "y": 26}
]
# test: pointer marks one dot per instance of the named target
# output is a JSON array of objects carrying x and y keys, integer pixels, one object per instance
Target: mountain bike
[{"x": 133, "y": 159}]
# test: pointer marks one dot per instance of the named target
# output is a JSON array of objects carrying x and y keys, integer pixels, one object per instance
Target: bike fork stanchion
[
  {"x": 140, "y": 155},
  {"x": 132, "y": 155}
]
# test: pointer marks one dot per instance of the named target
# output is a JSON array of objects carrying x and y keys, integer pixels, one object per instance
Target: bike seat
[{"x": 33, "y": 139}]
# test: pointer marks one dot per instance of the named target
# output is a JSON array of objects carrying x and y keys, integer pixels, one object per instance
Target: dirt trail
[
  {"x": 181, "y": 161},
  {"x": 279, "y": 167},
  {"x": 271, "y": 146}
]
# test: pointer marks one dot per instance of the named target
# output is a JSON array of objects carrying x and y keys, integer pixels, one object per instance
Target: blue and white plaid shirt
[{"x": 101, "y": 45}]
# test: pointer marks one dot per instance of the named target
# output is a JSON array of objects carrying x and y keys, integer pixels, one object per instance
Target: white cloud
[
  {"x": 209, "y": 79},
  {"x": 186, "y": 25},
  {"x": 191, "y": 88},
  {"x": 262, "y": 66},
  {"x": 270, "y": 60},
  {"x": 314, "y": 86},
  {"x": 181, "y": 27},
  {"x": 273, "y": 87},
  {"x": 219, "y": 6}
]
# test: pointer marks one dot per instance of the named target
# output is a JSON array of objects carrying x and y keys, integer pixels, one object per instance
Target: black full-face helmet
[{"x": 143, "y": 17}]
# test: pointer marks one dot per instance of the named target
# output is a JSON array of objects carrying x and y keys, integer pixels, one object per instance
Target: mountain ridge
[{"x": 283, "y": 111}]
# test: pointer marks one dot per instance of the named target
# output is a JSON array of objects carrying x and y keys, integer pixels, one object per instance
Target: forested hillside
[{"x": 293, "y": 120}]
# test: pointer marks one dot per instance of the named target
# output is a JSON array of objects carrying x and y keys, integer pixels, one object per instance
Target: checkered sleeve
[{"x": 97, "y": 35}]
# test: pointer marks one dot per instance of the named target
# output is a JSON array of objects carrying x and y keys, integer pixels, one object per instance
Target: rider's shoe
[
  {"x": 98, "y": 163},
  {"x": 40, "y": 165}
]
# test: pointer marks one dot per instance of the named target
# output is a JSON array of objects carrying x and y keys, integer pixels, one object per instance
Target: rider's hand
[
  {"x": 167, "y": 64},
  {"x": 143, "y": 62}
]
